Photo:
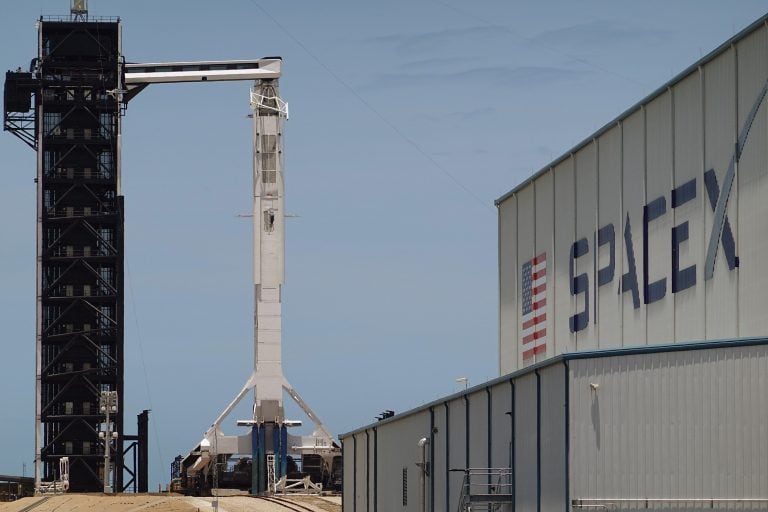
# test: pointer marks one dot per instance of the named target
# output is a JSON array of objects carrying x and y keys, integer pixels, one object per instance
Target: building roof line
[
  {"x": 563, "y": 359},
  {"x": 647, "y": 99}
]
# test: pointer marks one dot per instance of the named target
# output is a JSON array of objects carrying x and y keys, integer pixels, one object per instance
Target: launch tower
[{"x": 67, "y": 107}]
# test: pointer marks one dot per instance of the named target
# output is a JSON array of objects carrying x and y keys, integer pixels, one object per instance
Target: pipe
[{"x": 423, "y": 474}]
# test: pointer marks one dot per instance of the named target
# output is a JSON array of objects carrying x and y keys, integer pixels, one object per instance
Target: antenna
[{"x": 79, "y": 10}]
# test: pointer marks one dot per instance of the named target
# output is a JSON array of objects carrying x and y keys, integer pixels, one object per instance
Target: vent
[
  {"x": 269, "y": 177},
  {"x": 405, "y": 487},
  {"x": 268, "y": 161}
]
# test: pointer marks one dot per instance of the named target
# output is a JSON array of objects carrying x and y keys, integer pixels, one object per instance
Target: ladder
[{"x": 486, "y": 490}]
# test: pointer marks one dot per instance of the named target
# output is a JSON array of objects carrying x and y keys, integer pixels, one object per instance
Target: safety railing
[
  {"x": 666, "y": 503},
  {"x": 486, "y": 489}
]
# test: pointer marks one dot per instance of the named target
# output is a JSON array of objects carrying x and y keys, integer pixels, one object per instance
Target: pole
[
  {"x": 109, "y": 403},
  {"x": 107, "y": 436},
  {"x": 143, "y": 469},
  {"x": 423, "y": 474}
]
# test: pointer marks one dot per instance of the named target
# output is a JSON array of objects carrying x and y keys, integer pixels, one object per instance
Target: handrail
[
  {"x": 480, "y": 491},
  {"x": 612, "y": 502},
  {"x": 68, "y": 17}
]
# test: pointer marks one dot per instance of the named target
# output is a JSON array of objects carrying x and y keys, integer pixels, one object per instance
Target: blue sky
[{"x": 407, "y": 120}]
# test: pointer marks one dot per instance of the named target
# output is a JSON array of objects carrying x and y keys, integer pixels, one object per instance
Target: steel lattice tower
[{"x": 74, "y": 124}]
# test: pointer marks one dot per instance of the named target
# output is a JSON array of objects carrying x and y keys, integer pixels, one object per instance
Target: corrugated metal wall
[
  {"x": 623, "y": 179},
  {"x": 591, "y": 431},
  {"x": 439, "y": 490},
  {"x": 508, "y": 331},
  {"x": 552, "y": 437},
  {"x": 526, "y": 459},
  {"x": 361, "y": 482},
  {"x": 398, "y": 453},
  {"x": 689, "y": 424},
  {"x": 752, "y": 68},
  {"x": 475, "y": 430}
]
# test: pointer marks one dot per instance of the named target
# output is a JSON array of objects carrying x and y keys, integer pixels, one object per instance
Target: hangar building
[{"x": 631, "y": 341}]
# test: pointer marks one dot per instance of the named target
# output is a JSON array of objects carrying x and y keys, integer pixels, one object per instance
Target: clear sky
[{"x": 408, "y": 118}]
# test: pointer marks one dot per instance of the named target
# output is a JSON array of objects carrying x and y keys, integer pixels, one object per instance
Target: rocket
[{"x": 268, "y": 249}]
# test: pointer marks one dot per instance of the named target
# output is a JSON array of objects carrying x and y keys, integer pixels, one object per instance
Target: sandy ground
[{"x": 162, "y": 503}]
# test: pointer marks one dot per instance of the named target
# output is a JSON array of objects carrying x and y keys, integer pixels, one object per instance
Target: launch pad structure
[{"x": 68, "y": 107}]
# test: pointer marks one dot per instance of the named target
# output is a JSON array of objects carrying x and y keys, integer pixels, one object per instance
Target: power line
[{"x": 378, "y": 114}]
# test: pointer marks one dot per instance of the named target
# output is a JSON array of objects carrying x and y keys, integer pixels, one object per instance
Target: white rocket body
[{"x": 268, "y": 251}]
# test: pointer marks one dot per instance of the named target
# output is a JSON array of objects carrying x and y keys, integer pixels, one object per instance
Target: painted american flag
[{"x": 534, "y": 279}]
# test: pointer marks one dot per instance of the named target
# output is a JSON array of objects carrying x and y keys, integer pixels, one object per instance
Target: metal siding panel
[
  {"x": 696, "y": 422},
  {"x": 398, "y": 449},
  {"x": 705, "y": 428},
  {"x": 611, "y": 465},
  {"x": 660, "y": 314},
  {"x": 633, "y": 194},
  {"x": 508, "y": 330},
  {"x": 501, "y": 431},
  {"x": 478, "y": 430},
  {"x": 370, "y": 484},
  {"x": 525, "y": 443},
  {"x": 564, "y": 226},
  {"x": 720, "y": 134},
  {"x": 752, "y": 237},
  {"x": 553, "y": 450},
  {"x": 438, "y": 464},
  {"x": 390, "y": 468},
  {"x": 689, "y": 152},
  {"x": 586, "y": 218},
  {"x": 361, "y": 495},
  {"x": 349, "y": 474},
  {"x": 761, "y": 418},
  {"x": 607, "y": 301},
  {"x": 457, "y": 438},
  {"x": 578, "y": 435},
  {"x": 526, "y": 250},
  {"x": 544, "y": 244}
]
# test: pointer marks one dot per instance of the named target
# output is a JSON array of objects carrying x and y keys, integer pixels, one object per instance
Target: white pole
[{"x": 106, "y": 448}]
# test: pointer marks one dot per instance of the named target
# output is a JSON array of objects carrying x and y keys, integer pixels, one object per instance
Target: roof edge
[
  {"x": 763, "y": 20},
  {"x": 564, "y": 358}
]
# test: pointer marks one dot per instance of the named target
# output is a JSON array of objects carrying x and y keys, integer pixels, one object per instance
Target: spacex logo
[{"x": 638, "y": 279}]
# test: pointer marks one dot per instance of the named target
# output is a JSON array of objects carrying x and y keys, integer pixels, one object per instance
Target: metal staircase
[{"x": 486, "y": 490}]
